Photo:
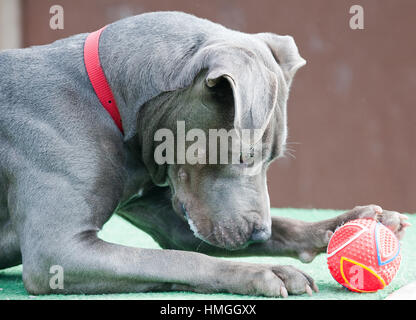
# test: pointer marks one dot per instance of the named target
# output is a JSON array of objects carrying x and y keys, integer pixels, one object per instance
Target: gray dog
[{"x": 65, "y": 167}]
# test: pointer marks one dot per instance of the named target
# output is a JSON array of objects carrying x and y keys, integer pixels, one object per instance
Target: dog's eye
[{"x": 248, "y": 158}]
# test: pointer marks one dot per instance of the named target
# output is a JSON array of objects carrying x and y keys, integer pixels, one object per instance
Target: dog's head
[{"x": 237, "y": 85}]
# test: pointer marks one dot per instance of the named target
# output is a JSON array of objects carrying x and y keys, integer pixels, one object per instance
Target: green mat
[{"x": 119, "y": 231}]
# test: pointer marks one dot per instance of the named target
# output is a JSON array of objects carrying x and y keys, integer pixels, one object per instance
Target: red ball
[{"x": 363, "y": 255}]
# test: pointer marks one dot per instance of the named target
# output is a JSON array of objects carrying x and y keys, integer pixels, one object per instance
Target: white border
[{"x": 10, "y": 24}]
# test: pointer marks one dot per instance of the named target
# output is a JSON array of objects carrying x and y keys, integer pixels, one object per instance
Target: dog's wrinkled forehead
[
  {"x": 285, "y": 54},
  {"x": 259, "y": 69},
  {"x": 278, "y": 54},
  {"x": 254, "y": 86}
]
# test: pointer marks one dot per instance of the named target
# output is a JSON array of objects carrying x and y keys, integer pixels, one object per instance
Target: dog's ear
[
  {"x": 285, "y": 52},
  {"x": 254, "y": 88}
]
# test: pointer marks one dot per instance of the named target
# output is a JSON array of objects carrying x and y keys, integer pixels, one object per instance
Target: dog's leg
[
  {"x": 94, "y": 266},
  {"x": 58, "y": 223},
  {"x": 153, "y": 213},
  {"x": 305, "y": 240},
  {"x": 9, "y": 243},
  {"x": 317, "y": 234},
  {"x": 9, "y": 246}
]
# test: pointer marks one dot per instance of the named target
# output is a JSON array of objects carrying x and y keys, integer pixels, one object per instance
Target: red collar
[{"x": 97, "y": 77}]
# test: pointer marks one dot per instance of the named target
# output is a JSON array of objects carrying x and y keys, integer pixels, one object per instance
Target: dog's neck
[
  {"x": 114, "y": 61},
  {"x": 139, "y": 68}
]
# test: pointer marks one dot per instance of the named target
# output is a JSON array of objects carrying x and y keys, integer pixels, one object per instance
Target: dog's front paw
[
  {"x": 394, "y": 220},
  {"x": 362, "y": 212},
  {"x": 295, "y": 281},
  {"x": 316, "y": 235},
  {"x": 319, "y": 233},
  {"x": 268, "y": 280}
]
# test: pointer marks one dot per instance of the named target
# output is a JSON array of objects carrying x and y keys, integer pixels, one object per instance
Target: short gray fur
[{"x": 65, "y": 167}]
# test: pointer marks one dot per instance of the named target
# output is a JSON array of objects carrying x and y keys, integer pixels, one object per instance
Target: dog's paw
[
  {"x": 269, "y": 281},
  {"x": 318, "y": 234},
  {"x": 394, "y": 220},
  {"x": 362, "y": 212},
  {"x": 295, "y": 281}
]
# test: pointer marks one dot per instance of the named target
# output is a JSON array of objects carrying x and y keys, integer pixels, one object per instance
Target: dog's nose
[{"x": 260, "y": 234}]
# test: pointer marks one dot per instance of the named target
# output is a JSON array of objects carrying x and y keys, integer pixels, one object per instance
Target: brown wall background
[{"x": 352, "y": 109}]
